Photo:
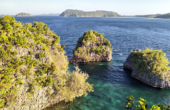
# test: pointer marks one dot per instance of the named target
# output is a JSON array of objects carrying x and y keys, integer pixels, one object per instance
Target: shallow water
[{"x": 112, "y": 84}]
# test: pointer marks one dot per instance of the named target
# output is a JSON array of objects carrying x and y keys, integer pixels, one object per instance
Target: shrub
[
  {"x": 108, "y": 43},
  {"x": 63, "y": 46},
  {"x": 76, "y": 82},
  {"x": 143, "y": 105},
  {"x": 28, "y": 26},
  {"x": 80, "y": 50},
  {"x": 93, "y": 49},
  {"x": 2, "y": 103},
  {"x": 129, "y": 102},
  {"x": 31, "y": 52},
  {"x": 94, "y": 37},
  {"x": 99, "y": 51},
  {"x": 41, "y": 55}
]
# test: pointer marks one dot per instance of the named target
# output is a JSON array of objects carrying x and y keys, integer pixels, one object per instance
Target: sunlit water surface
[{"x": 112, "y": 84}]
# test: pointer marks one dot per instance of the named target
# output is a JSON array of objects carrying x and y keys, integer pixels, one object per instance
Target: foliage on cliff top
[
  {"x": 95, "y": 38},
  {"x": 31, "y": 56},
  {"x": 143, "y": 105},
  {"x": 151, "y": 61}
]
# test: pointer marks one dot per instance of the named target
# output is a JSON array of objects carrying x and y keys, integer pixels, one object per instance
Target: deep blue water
[{"x": 112, "y": 84}]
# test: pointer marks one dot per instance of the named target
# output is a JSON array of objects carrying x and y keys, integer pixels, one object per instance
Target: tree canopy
[{"x": 31, "y": 56}]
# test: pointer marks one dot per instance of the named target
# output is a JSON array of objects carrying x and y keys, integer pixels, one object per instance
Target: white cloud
[
  {"x": 69, "y": 5},
  {"x": 9, "y": 4}
]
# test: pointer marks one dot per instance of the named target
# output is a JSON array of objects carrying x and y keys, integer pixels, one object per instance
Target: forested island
[
  {"x": 148, "y": 16},
  {"x": 80, "y": 13},
  {"x": 33, "y": 68},
  {"x": 165, "y": 16},
  {"x": 100, "y": 13},
  {"x": 23, "y": 14}
]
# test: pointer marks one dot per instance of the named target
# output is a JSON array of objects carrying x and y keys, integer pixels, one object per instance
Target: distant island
[
  {"x": 165, "y": 16},
  {"x": 80, "y": 13},
  {"x": 1, "y": 15},
  {"x": 101, "y": 13},
  {"x": 148, "y": 16},
  {"x": 98, "y": 13},
  {"x": 23, "y": 14}
]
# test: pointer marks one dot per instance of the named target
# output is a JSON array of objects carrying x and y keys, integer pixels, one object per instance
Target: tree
[
  {"x": 129, "y": 102},
  {"x": 143, "y": 105}
]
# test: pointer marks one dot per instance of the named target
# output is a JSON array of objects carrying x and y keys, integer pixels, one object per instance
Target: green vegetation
[
  {"x": 95, "y": 38},
  {"x": 22, "y": 47},
  {"x": 41, "y": 55},
  {"x": 24, "y": 14},
  {"x": 143, "y": 105},
  {"x": 79, "y": 13},
  {"x": 152, "y": 62},
  {"x": 31, "y": 52},
  {"x": 165, "y": 16},
  {"x": 129, "y": 102}
]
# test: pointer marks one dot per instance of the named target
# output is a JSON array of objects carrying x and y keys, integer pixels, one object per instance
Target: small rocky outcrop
[
  {"x": 92, "y": 47},
  {"x": 33, "y": 68},
  {"x": 149, "y": 66}
]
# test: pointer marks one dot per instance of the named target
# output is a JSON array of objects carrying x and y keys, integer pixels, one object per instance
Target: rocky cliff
[
  {"x": 91, "y": 47},
  {"x": 33, "y": 68},
  {"x": 149, "y": 66}
]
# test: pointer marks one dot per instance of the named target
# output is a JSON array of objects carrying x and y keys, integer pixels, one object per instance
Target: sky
[{"x": 123, "y": 7}]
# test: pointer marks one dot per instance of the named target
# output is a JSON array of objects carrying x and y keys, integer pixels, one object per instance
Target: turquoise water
[
  {"x": 111, "y": 89},
  {"x": 112, "y": 84}
]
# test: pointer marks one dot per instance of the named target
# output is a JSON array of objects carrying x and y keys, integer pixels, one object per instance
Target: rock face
[
  {"x": 148, "y": 77},
  {"x": 92, "y": 47},
  {"x": 33, "y": 68}
]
